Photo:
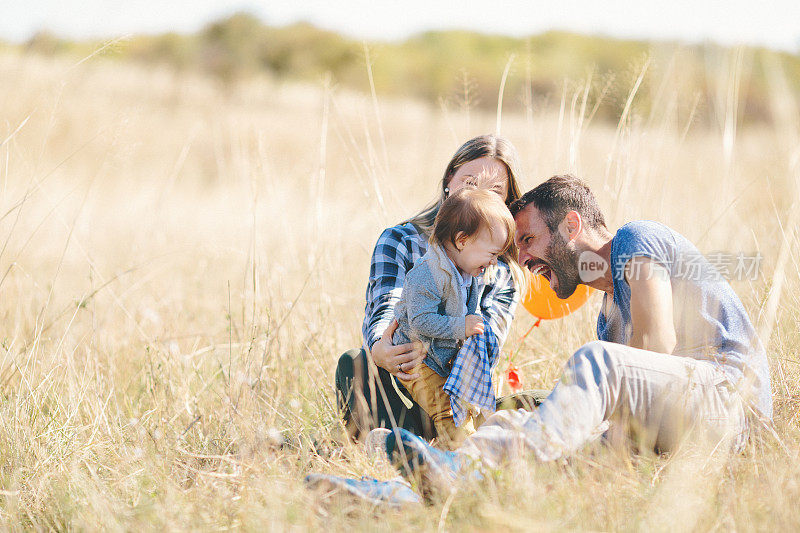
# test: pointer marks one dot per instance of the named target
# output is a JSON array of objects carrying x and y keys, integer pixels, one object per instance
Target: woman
[{"x": 372, "y": 395}]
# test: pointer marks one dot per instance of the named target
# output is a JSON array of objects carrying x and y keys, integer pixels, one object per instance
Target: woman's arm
[
  {"x": 394, "y": 255},
  {"x": 391, "y": 260}
]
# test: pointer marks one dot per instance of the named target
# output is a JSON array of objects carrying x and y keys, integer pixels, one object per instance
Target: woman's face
[{"x": 489, "y": 168}]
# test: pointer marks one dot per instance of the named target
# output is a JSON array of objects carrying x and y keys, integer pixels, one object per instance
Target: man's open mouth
[{"x": 541, "y": 268}]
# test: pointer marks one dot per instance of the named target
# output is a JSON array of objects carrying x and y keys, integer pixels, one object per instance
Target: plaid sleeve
[
  {"x": 499, "y": 302},
  {"x": 392, "y": 258}
]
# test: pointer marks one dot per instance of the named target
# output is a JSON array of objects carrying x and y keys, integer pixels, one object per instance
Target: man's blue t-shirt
[{"x": 710, "y": 320}]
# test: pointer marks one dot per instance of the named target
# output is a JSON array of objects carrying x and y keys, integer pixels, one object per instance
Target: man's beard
[{"x": 564, "y": 264}]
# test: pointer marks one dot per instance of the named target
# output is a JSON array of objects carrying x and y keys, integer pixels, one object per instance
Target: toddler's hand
[{"x": 474, "y": 325}]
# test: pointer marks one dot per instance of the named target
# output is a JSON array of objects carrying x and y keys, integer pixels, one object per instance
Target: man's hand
[
  {"x": 398, "y": 360},
  {"x": 651, "y": 305},
  {"x": 473, "y": 325}
]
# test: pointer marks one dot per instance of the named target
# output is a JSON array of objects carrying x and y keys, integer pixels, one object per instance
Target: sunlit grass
[{"x": 183, "y": 263}]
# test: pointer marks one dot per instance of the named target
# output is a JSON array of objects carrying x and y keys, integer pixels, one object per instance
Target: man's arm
[{"x": 651, "y": 305}]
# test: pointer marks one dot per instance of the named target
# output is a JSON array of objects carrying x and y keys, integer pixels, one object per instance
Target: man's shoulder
[
  {"x": 644, "y": 235},
  {"x": 643, "y": 238},
  {"x": 643, "y": 229}
]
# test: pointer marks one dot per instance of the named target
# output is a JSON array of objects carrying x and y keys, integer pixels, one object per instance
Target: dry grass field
[{"x": 181, "y": 264}]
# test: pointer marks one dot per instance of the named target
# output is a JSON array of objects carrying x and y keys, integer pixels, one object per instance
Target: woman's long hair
[{"x": 483, "y": 146}]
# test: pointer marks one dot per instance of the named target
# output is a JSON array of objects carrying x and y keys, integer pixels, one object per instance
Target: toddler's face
[{"x": 481, "y": 250}]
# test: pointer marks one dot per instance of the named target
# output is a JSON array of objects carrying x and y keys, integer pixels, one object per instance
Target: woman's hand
[{"x": 398, "y": 360}]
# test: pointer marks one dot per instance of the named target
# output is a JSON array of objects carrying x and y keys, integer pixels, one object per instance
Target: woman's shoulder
[
  {"x": 405, "y": 235},
  {"x": 402, "y": 231}
]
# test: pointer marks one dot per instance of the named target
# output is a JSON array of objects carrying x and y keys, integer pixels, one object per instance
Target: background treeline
[{"x": 463, "y": 69}]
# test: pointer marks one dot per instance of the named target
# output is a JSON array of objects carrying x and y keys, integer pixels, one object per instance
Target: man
[{"x": 676, "y": 350}]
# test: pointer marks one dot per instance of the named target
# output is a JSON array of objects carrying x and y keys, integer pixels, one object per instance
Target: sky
[{"x": 770, "y": 23}]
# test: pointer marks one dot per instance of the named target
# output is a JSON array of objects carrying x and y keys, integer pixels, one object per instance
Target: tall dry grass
[{"x": 182, "y": 263}]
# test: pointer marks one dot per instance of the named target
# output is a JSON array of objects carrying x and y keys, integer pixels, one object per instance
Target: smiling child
[{"x": 439, "y": 305}]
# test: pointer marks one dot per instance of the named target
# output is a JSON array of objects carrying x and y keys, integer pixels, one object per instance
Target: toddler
[{"x": 439, "y": 307}]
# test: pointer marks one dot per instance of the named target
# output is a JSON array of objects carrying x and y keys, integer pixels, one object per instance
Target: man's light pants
[{"x": 659, "y": 397}]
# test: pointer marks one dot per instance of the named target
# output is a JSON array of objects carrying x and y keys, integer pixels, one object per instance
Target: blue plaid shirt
[
  {"x": 470, "y": 381},
  {"x": 396, "y": 251}
]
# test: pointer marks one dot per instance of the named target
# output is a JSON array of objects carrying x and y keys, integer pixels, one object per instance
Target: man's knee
[
  {"x": 597, "y": 348},
  {"x": 594, "y": 354}
]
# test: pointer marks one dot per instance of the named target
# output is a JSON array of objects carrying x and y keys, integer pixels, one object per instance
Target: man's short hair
[{"x": 558, "y": 196}]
